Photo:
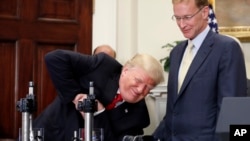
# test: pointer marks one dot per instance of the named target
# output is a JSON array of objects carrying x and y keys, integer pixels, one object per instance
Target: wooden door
[{"x": 28, "y": 30}]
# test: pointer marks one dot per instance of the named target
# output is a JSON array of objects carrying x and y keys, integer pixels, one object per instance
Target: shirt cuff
[{"x": 99, "y": 112}]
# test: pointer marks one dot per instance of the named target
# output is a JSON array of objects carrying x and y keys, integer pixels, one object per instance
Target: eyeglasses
[{"x": 185, "y": 18}]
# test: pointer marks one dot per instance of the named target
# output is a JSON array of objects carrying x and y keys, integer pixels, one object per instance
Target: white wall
[
  {"x": 155, "y": 27},
  {"x": 134, "y": 26},
  {"x": 104, "y": 22}
]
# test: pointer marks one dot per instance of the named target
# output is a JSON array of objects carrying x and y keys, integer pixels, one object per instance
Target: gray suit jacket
[
  {"x": 217, "y": 71},
  {"x": 71, "y": 73}
]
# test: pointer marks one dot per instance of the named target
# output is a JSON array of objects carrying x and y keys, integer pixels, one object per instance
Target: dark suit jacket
[
  {"x": 217, "y": 71},
  {"x": 248, "y": 87},
  {"x": 71, "y": 73}
]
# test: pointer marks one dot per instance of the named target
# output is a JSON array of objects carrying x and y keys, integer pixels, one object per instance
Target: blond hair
[{"x": 149, "y": 64}]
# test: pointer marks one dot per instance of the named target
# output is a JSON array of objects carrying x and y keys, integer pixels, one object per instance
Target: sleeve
[
  {"x": 65, "y": 68},
  {"x": 232, "y": 72},
  {"x": 160, "y": 130}
]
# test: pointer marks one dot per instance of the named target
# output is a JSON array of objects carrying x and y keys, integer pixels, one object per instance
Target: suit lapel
[
  {"x": 175, "y": 64},
  {"x": 203, "y": 52}
]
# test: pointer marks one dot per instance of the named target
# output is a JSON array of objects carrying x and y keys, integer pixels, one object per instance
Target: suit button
[{"x": 126, "y": 110}]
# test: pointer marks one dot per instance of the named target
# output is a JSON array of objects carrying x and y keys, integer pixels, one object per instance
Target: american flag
[{"x": 212, "y": 22}]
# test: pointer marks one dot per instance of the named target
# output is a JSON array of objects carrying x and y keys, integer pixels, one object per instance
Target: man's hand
[{"x": 81, "y": 97}]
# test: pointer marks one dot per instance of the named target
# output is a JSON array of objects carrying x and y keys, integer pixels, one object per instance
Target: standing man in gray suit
[{"x": 216, "y": 70}]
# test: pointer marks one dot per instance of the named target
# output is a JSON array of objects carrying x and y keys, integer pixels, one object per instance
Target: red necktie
[{"x": 118, "y": 98}]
